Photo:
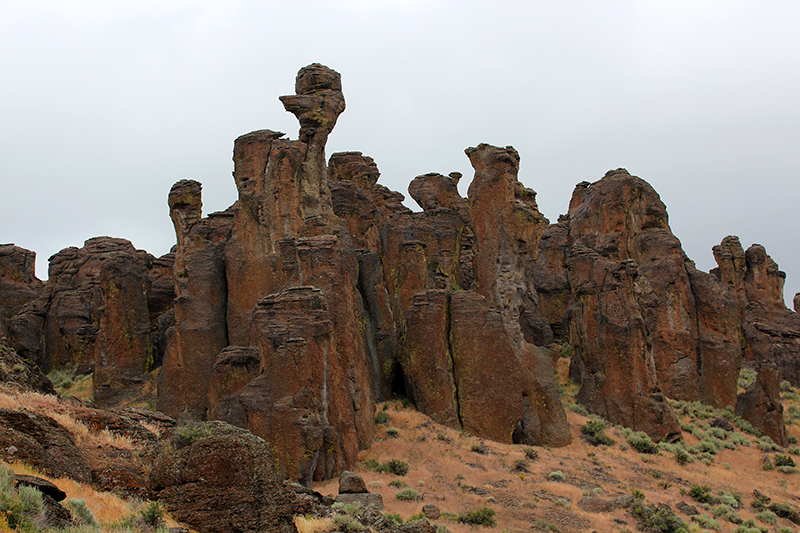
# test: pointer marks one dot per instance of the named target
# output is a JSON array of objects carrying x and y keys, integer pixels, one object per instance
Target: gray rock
[{"x": 350, "y": 483}]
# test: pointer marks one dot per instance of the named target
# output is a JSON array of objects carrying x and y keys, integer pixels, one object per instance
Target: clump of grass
[
  {"x": 556, "y": 475},
  {"x": 640, "y": 442},
  {"x": 392, "y": 466},
  {"x": 382, "y": 417},
  {"x": 153, "y": 514},
  {"x": 483, "y": 516},
  {"x": 700, "y": 493},
  {"x": 658, "y": 518},
  {"x": 392, "y": 432},
  {"x": 594, "y": 432},
  {"x": 407, "y": 494},
  {"x": 190, "y": 432},
  {"x": 81, "y": 512},
  {"x": 531, "y": 453},
  {"x": 707, "y": 522},
  {"x": 396, "y": 483}
]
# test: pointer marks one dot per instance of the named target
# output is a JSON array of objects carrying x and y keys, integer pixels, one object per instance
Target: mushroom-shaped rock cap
[{"x": 316, "y": 77}]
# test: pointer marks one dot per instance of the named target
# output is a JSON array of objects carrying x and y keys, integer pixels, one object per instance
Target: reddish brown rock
[
  {"x": 301, "y": 400},
  {"x": 428, "y": 359},
  {"x": 18, "y": 282},
  {"x": 226, "y": 482},
  {"x": 761, "y": 404},
  {"x": 40, "y": 441},
  {"x": 17, "y": 372},
  {"x": 796, "y": 303},
  {"x": 770, "y": 331},
  {"x": 200, "y": 331}
]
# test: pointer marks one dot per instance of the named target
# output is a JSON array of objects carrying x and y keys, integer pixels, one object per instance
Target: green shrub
[
  {"x": 768, "y": 517},
  {"x": 382, "y": 417},
  {"x": 784, "y": 510},
  {"x": 393, "y": 466},
  {"x": 700, "y": 493},
  {"x": 784, "y": 460},
  {"x": 407, "y": 494},
  {"x": 21, "y": 505},
  {"x": 483, "y": 516},
  {"x": 556, "y": 475},
  {"x": 531, "y": 453},
  {"x": 707, "y": 522},
  {"x": 594, "y": 432},
  {"x": 394, "y": 517},
  {"x": 81, "y": 512},
  {"x": 153, "y": 514},
  {"x": 392, "y": 433},
  {"x": 371, "y": 464},
  {"x": 640, "y": 442},
  {"x": 398, "y": 484},
  {"x": 347, "y": 523},
  {"x": 659, "y": 518}
]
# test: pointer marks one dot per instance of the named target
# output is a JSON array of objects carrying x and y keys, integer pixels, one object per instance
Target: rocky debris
[
  {"x": 761, "y": 404},
  {"x": 40, "y": 441},
  {"x": 350, "y": 483},
  {"x": 227, "y": 481},
  {"x": 353, "y": 490},
  {"x": 594, "y": 504},
  {"x": 796, "y": 303},
  {"x": 364, "y": 500},
  {"x": 687, "y": 509}
]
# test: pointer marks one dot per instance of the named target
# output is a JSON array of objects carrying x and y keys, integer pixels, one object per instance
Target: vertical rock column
[{"x": 200, "y": 331}]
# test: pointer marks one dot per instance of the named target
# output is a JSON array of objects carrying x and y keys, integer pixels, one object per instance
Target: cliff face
[{"x": 318, "y": 294}]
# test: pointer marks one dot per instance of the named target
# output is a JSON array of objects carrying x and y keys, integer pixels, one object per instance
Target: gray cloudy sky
[{"x": 104, "y": 105}]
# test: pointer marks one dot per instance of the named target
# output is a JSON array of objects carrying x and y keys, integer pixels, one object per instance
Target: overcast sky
[{"x": 104, "y": 105}]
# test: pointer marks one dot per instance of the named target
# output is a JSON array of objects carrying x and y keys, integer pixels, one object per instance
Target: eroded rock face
[
  {"x": 18, "y": 282},
  {"x": 635, "y": 306}
]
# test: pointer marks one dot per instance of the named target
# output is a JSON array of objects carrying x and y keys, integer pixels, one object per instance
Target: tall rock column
[
  {"x": 200, "y": 331},
  {"x": 508, "y": 227},
  {"x": 286, "y": 243}
]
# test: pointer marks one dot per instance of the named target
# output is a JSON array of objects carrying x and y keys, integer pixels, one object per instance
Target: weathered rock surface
[
  {"x": 613, "y": 274},
  {"x": 770, "y": 331},
  {"x": 16, "y": 372},
  {"x": 228, "y": 481},
  {"x": 94, "y": 312},
  {"x": 18, "y": 282},
  {"x": 761, "y": 404},
  {"x": 42, "y": 442}
]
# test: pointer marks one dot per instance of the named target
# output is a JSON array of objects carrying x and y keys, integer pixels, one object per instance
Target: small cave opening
[{"x": 398, "y": 385}]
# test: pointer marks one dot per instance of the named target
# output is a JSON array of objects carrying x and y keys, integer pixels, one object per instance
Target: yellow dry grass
[{"x": 314, "y": 525}]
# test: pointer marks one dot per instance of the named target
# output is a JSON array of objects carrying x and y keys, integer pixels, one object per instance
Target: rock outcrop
[
  {"x": 761, "y": 405},
  {"x": 318, "y": 294},
  {"x": 642, "y": 320},
  {"x": 770, "y": 331}
]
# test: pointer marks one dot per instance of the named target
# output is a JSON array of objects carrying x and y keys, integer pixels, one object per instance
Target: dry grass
[
  {"x": 447, "y": 471},
  {"x": 107, "y": 507},
  {"x": 314, "y": 525}
]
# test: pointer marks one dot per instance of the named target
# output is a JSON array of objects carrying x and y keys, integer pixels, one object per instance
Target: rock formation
[
  {"x": 97, "y": 311},
  {"x": 318, "y": 294}
]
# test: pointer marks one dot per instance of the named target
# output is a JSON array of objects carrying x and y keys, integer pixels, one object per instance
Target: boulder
[
  {"x": 350, "y": 483},
  {"x": 227, "y": 481},
  {"x": 364, "y": 500}
]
